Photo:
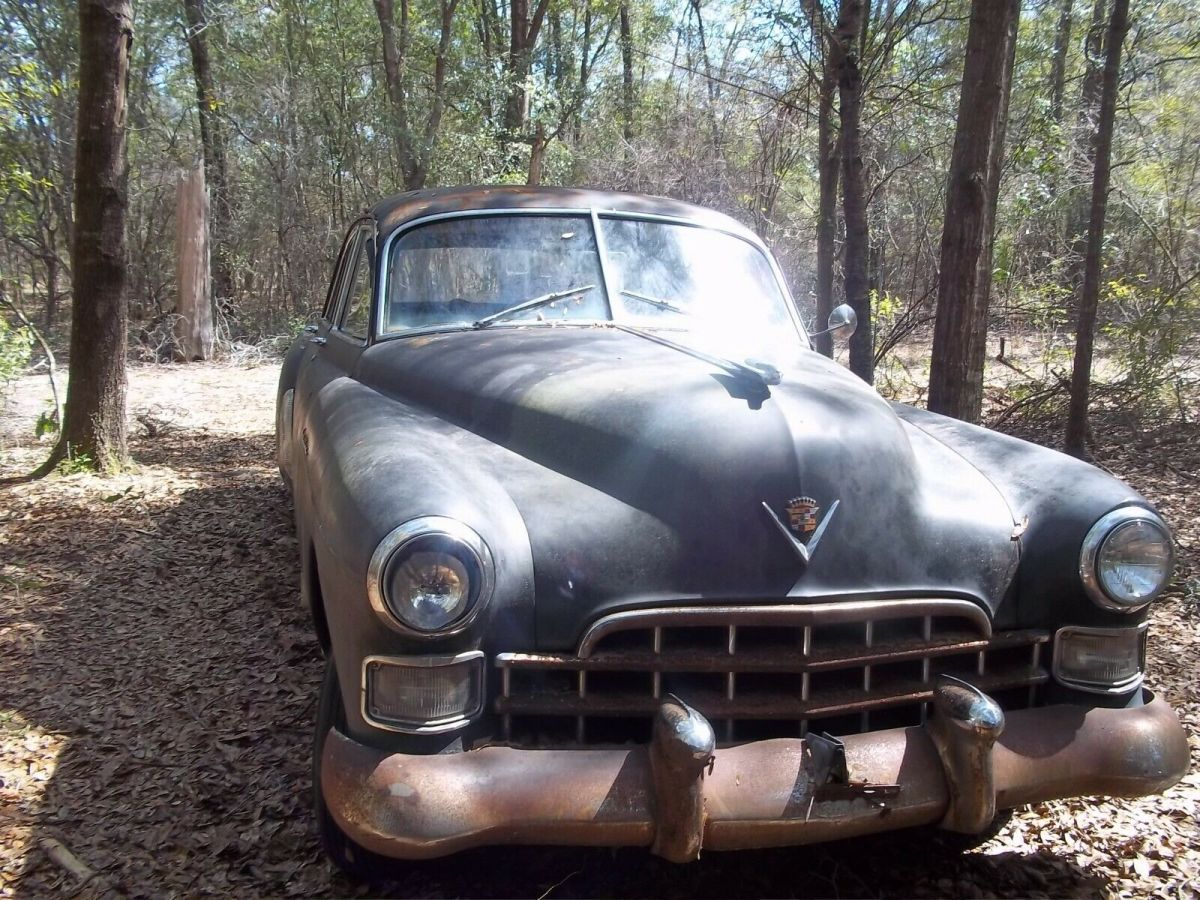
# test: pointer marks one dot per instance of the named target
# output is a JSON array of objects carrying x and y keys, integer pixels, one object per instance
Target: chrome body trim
[
  {"x": 425, "y": 526},
  {"x": 436, "y": 726},
  {"x": 1122, "y": 687},
  {"x": 1094, "y": 541},
  {"x": 790, "y": 614}
]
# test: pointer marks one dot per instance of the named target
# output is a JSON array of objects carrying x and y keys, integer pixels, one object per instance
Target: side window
[
  {"x": 356, "y": 310},
  {"x": 334, "y": 297}
]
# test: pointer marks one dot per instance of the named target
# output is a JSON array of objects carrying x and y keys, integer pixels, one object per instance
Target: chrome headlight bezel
[
  {"x": 394, "y": 544},
  {"x": 1093, "y": 543}
]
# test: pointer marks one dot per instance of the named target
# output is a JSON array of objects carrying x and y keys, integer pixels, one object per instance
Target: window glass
[
  {"x": 356, "y": 313},
  {"x": 330, "y": 310},
  {"x": 691, "y": 272},
  {"x": 458, "y": 271}
]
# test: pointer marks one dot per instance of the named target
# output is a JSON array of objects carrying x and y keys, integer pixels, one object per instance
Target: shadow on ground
[{"x": 157, "y": 630}]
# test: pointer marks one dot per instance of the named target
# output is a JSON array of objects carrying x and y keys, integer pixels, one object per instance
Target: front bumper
[{"x": 674, "y": 797}]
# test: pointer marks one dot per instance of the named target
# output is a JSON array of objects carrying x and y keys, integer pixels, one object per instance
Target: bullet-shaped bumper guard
[{"x": 678, "y": 795}]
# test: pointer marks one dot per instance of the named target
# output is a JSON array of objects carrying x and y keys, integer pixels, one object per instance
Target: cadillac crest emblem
[{"x": 802, "y": 515}]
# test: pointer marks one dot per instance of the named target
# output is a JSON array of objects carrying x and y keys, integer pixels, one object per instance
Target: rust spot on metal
[{"x": 760, "y": 794}]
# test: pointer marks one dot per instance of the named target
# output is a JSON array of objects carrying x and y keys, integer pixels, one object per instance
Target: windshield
[{"x": 510, "y": 270}]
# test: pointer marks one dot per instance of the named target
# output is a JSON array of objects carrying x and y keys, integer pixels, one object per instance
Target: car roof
[{"x": 395, "y": 211}]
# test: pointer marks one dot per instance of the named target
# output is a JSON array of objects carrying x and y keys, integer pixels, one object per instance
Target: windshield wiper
[
  {"x": 534, "y": 303},
  {"x": 657, "y": 303},
  {"x": 761, "y": 374}
]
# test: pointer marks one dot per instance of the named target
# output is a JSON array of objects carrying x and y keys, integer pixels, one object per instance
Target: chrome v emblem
[{"x": 803, "y": 550}]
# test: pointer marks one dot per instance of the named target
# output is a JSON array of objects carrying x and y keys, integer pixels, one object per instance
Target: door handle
[
  {"x": 319, "y": 341},
  {"x": 311, "y": 329}
]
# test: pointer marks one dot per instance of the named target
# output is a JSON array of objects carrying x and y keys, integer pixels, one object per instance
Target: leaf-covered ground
[{"x": 157, "y": 685}]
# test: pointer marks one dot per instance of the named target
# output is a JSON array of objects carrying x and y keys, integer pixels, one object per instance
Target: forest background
[{"x": 303, "y": 113}]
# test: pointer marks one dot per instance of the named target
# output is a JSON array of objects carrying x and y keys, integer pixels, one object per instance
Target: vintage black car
[{"x": 602, "y": 552}]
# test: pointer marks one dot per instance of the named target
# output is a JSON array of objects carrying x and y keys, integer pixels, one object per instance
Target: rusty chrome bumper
[{"x": 677, "y": 795}]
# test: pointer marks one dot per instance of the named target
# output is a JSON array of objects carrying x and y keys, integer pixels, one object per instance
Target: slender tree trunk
[
  {"x": 51, "y": 292},
  {"x": 93, "y": 426},
  {"x": 854, "y": 201},
  {"x": 395, "y": 61},
  {"x": 1085, "y": 131},
  {"x": 827, "y": 174},
  {"x": 1058, "y": 62},
  {"x": 1089, "y": 300},
  {"x": 712, "y": 87},
  {"x": 212, "y": 140},
  {"x": 964, "y": 286},
  {"x": 626, "y": 76},
  {"x": 523, "y": 34},
  {"x": 437, "y": 105}
]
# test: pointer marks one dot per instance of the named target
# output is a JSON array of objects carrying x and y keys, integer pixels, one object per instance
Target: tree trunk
[
  {"x": 93, "y": 430},
  {"x": 194, "y": 330},
  {"x": 1085, "y": 132},
  {"x": 437, "y": 105},
  {"x": 854, "y": 202},
  {"x": 523, "y": 34},
  {"x": 827, "y": 173},
  {"x": 1089, "y": 300},
  {"x": 395, "y": 61},
  {"x": 537, "y": 151},
  {"x": 626, "y": 76},
  {"x": 51, "y": 293},
  {"x": 1058, "y": 62},
  {"x": 212, "y": 140},
  {"x": 964, "y": 286}
]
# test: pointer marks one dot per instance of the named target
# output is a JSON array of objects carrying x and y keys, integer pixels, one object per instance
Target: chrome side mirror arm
[{"x": 843, "y": 322}]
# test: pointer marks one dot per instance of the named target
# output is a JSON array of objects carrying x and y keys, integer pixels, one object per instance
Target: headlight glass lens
[
  {"x": 1134, "y": 562},
  {"x": 430, "y": 582}
]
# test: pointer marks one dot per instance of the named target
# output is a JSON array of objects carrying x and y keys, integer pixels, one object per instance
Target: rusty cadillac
[{"x": 600, "y": 551}]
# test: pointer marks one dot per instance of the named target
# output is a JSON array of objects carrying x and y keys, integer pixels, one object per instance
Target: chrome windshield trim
[{"x": 594, "y": 215}]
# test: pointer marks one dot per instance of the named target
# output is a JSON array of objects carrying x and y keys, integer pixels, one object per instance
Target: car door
[{"x": 332, "y": 350}]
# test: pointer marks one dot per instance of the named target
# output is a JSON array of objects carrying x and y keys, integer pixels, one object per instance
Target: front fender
[
  {"x": 1061, "y": 497},
  {"x": 371, "y": 465}
]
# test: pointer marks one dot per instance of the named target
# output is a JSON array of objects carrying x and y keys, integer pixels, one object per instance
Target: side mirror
[{"x": 843, "y": 322}]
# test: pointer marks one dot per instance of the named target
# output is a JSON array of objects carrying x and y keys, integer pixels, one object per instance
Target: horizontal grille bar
[
  {"x": 760, "y": 705},
  {"x": 765, "y": 671},
  {"x": 766, "y": 660}
]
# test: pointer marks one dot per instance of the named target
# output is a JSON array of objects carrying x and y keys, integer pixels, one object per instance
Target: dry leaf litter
[{"x": 158, "y": 682}]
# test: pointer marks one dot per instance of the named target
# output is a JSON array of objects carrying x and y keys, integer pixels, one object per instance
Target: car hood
[{"x": 641, "y": 474}]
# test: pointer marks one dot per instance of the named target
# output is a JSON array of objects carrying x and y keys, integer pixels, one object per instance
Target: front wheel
[{"x": 349, "y": 856}]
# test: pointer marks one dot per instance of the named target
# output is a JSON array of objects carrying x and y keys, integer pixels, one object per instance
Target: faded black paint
[{"x": 606, "y": 471}]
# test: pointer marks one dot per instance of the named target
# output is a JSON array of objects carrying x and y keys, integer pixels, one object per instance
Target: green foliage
[
  {"x": 16, "y": 345},
  {"x": 75, "y": 463},
  {"x": 1150, "y": 335},
  {"x": 47, "y": 423}
]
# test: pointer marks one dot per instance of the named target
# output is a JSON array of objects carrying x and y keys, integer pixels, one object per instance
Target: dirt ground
[{"x": 158, "y": 684}]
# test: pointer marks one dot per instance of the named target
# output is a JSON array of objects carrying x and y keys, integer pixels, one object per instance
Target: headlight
[
  {"x": 1126, "y": 559},
  {"x": 430, "y": 576}
]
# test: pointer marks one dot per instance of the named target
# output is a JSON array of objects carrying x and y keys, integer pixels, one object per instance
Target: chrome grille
[{"x": 765, "y": 671}]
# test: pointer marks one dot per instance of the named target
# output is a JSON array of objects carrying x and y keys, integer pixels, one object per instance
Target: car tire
[{"x": 350, "y": 857}]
